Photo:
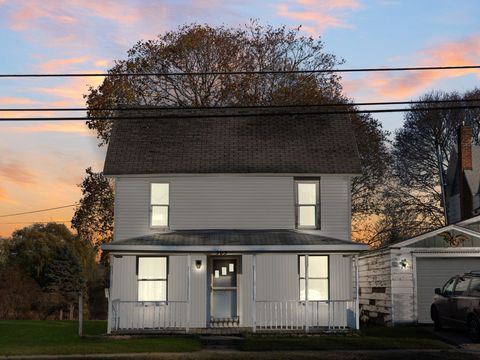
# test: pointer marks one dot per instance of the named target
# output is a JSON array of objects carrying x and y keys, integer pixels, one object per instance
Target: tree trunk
[
  {"x": 70, "y": 315},
  {"x": 61, "y": 314}
]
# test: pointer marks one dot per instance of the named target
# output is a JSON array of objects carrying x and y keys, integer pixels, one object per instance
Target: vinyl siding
[{"x": 229, "y": 202}]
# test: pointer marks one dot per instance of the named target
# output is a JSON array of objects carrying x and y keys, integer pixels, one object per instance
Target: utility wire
[
  {"x": 146, "y": 107},
  {"x": 37, "y": 222},
  {"x": 38, "y": 211},
  {"x": 260, "y": 72},
  {"x": 199, "y": 116}
]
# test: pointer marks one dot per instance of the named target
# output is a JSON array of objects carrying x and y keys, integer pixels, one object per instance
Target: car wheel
[
  {"x": 474, "y": 329},
  {"x": 437, "y": 322}
]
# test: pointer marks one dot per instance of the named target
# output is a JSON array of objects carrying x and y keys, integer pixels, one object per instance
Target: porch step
[{"x": 221, "y": 342}]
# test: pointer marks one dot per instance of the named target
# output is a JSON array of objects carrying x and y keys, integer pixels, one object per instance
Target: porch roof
[{"x": 234, "y": 240}]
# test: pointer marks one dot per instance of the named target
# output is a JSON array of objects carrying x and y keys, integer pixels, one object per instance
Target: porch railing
[
  {"x": 305, "y": 315},
  {"x": 149, "y": 315}
]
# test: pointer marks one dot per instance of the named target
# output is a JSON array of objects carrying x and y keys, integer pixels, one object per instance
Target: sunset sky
[{"x": 42, "y": 163}]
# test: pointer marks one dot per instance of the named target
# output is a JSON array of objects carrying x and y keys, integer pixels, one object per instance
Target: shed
[{"x": 397, "y": 282}]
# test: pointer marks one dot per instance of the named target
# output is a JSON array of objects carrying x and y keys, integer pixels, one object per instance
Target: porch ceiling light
[{"x": 198, "y": 264}]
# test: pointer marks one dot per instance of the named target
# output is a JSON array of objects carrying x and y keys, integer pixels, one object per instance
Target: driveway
[{"x": 458, "y": 338}]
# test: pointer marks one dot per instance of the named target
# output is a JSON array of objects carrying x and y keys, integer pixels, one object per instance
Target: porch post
[
  {"x": 110, "y": 306},
  {"x": 357, "y": 295},
  {"x": 306, "y": 293},
  {"x": 189, "y": 277},
  {"x": 254, "y": 297}
]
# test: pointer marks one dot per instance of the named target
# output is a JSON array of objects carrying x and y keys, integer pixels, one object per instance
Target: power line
[
  {"x": 37, "y": 222},
  {"x": 37, "y": 211},
  {"x": 146, "y": 107},
  {"x": 260, "y": 72},
  {"x": 199, "y": 116}
]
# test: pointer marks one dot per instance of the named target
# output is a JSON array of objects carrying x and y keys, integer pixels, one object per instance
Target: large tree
[
  {"x": 201, "y": 48},
  {"x": 424, "y": 136},
  {"x": 93, "y": 217},
  {"x": 57, "y": 260}
]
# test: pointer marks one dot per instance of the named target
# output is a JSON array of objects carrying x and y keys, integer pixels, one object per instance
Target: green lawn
[
  {"x": 378, "y": 338},
  {"x": 19, "y": 337},
  {"x": 60, "y": 337}
]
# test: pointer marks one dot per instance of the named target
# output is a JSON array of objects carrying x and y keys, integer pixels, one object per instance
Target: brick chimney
[{"x": 464, "y": 163}]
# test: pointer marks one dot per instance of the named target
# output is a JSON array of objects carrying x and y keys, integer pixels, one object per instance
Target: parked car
[{"x": 457, "y": 304}]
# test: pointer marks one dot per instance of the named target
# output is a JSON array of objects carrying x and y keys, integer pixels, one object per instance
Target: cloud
[
  {"x": 317, "y": 16},
  {"x": 57, "y": 65},
  {"x": 396, "y": 85},
  {"x": 11, "y": 100},
  {"x": 66, "y": 127},
  {"x": 17, "y": 173}
]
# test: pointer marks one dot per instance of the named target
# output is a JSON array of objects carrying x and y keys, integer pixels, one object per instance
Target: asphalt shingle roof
[
  {"x": 246, "y": 141},
  {"x": 231, "y": 237}
]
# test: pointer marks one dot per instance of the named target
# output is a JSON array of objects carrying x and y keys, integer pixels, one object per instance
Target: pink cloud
[
  {"x": 11, "y": 100},
  {"x": 66, "y": 127},
  {"x": 61, "y": 64},
  {"x": 316, "y": 16},
  {"x": 396, "y": 85},
  {"x": 17, "y": 173}
]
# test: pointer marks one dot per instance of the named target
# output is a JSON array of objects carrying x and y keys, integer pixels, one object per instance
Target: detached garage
[{"x": 397, "y": 282}]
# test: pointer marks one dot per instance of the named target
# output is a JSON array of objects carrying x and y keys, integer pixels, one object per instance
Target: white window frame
[
  {"x": 307, "y": 278},
  {"x": 317, "y": 204},
  {"x": 151, "y": 206},
  {"x": 154, "y": 280}
]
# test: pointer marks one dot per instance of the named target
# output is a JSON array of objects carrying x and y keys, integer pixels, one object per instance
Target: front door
[{"x": 223, "y": 286}]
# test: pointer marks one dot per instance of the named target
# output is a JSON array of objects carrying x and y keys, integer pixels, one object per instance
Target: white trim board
[{"x": 433, "y": 233}]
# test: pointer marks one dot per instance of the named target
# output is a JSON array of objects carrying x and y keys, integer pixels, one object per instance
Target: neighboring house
[
  {"x": 238, "y": 221},
  {"x": 463, "y": 179},
  {"x": 397, "y": 282}
]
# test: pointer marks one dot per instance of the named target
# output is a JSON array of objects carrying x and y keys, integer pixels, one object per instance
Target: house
[
  {"x": 232, "y": 219},
  {"x": 397, "y": 282},
  {"x": 463, "y": 179}
]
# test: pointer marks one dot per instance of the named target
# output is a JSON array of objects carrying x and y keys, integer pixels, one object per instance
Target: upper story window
[
  {"x": 152, "y": 275},
  {"x": 307, "y": 205},
  {"x": 159, "y": 204}
]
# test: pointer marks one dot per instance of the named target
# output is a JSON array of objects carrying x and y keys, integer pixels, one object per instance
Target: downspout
[{"x": 443, "y": 185}]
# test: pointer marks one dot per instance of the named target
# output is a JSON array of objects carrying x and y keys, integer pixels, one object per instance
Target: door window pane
[
  {"x": 306, "y": 215},
  {"x": 307, "y": 193}
]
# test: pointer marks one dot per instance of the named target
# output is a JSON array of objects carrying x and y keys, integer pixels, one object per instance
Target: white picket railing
[
  {"x": 149, "y": 315},
  {"x": 305, "y": 315}
]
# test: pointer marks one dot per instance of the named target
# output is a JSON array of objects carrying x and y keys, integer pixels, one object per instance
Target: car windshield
[{"x": 448, "y": 287}]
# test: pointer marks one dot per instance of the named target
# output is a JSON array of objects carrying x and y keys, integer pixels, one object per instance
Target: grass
[
  {"x": 381, "y": 338},
  {"x": 25, "y": 337}
]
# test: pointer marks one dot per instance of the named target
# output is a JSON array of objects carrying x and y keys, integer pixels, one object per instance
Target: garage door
[{"x": 433, "y": 273}]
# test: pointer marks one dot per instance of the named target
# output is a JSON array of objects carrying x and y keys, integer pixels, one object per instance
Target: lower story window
[
  {"x": 313, "y": 277},
  {"x": 152, "y": 278}
]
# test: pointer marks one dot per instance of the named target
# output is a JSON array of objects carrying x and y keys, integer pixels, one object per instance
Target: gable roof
[{"x": 231, "y": 141}]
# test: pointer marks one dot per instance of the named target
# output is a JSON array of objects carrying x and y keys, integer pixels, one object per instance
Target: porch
[{"x": 269, "y": 316}]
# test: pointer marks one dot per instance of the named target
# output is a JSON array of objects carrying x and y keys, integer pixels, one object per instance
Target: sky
[{"x": 41, "y": 164}]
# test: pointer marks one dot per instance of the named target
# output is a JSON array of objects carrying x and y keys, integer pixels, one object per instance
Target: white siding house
[{"x": 239, "y": 223}]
